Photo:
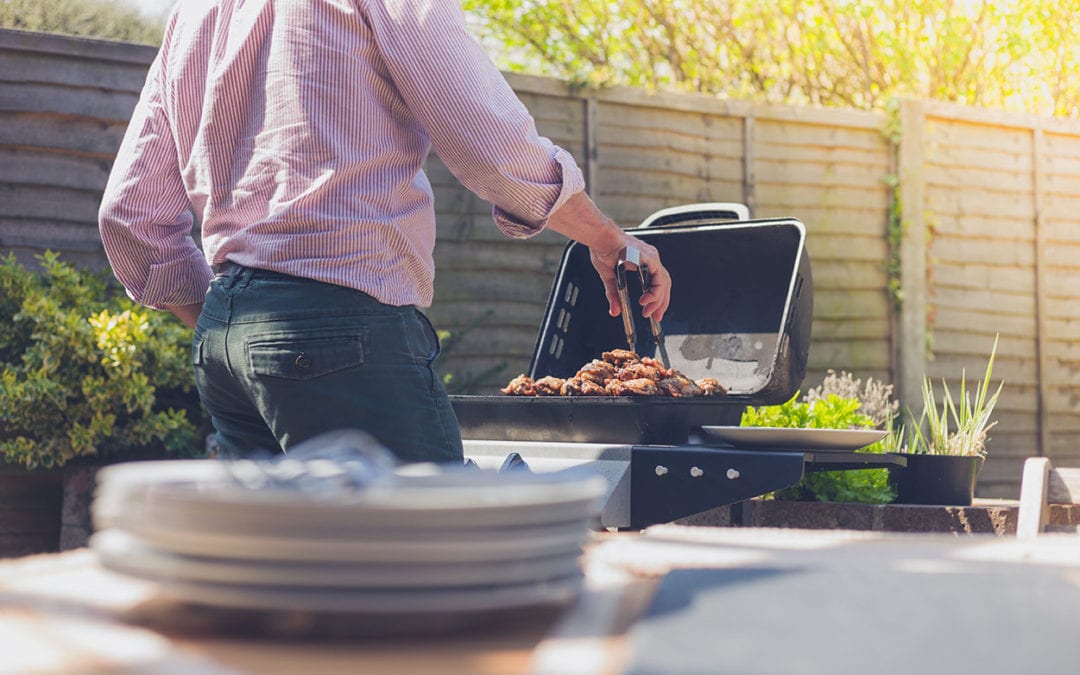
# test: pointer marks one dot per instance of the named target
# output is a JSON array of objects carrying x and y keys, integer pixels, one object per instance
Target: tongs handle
[
  {"x": 633, "y": 257},
  {"x": 654, "y": 325},
  {"x": 624, "y": 300}
]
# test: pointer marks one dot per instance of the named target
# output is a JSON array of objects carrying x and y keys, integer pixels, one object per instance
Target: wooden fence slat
[
  {"x": 69, "y": 101},
  {"x": 1038, "y": 145},
  {"x": 912, "y": 324}
]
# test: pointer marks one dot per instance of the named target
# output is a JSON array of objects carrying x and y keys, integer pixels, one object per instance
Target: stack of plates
[{"x": 457, "y": 541}]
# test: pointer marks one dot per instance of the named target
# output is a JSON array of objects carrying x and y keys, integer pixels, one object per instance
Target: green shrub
[{"x": 87, "y": 372}]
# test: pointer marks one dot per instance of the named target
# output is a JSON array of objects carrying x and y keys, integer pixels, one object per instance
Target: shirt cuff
[
  {"x": 178, "y": 282},
  {"x": 573, "y": 182}
]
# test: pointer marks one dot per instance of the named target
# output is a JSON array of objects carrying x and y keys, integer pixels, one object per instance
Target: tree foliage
[
  {"x": 1021, "y": 55},
  {"x": 107, "y": 19}
]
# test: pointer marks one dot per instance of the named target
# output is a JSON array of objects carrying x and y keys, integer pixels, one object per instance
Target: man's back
[{"x": 299, "y": 131}]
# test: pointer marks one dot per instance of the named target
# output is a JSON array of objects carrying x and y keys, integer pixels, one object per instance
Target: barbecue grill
[{"x": 740, "y": 312}]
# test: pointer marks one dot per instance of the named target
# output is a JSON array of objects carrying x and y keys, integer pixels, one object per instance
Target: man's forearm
[{"x": 579, "y": 219}]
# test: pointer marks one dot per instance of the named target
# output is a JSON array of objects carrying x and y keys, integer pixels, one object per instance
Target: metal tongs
[{"x": 633, "y": 257}]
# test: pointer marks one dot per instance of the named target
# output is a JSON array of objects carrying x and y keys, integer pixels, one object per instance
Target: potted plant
[
  {"x": 945, "y": 450},
  {"x": 88, "y": 376}
]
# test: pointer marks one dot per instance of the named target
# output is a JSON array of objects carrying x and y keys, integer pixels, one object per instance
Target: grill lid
[{"x": 741, "y": 307}]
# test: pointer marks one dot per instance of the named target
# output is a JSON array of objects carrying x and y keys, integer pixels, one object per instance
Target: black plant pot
[
  {"x": 30, "y": 509},
  {"x": 947, "y": 480}
]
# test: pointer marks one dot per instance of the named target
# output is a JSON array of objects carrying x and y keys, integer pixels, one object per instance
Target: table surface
[{"x": 670, "y": 599}]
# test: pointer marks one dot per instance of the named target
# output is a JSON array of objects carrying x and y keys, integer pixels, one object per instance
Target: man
[{"x": 296, "y": 132}]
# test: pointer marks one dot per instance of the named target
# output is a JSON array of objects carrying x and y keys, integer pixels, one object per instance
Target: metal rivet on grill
[
  {"x": 696, "y": 472},
  {"x": 303, "y": 361},
  {"x": 732, "y": 474},
  {"x": 661, "y": 470}
]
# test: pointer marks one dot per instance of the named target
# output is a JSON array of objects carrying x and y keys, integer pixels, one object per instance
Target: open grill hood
[{"x": 741, "y": 309}]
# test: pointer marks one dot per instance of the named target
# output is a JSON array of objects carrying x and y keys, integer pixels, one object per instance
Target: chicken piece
[
  {"x": 679, "y": 386},
  {"x": 522, "y": 385},
  {"x": 637, "y": 371},
  {"x": 549, "y": 386},
  {"x": 576, "y": 386},
  {"x": 639, "y": 387},
  {"x": 597, "y": 371},
  {"x": 711, "y": 387},
  {"x": 621, "y": 357},
  {"x": 664, "y": 372}
]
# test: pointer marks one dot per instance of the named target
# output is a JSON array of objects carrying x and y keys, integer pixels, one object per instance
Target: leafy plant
[
  {"x": 827, "y": 411},
  {"x": 960, "y": 427},
  {"x": 87, "y": 372}
]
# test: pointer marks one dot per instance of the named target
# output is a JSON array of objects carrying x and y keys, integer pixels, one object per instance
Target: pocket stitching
[{"x": 350, "y": 354}]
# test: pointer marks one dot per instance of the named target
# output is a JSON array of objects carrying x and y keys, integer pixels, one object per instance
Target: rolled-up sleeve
[
  {"x": 145, "y": 219},
  {"x": 477, "y": 125}
]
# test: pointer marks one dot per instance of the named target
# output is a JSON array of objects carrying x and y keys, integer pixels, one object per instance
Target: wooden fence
[
  {"x": 988, "y": 210},
  {"x": 992, "y": 249},
  {"x": 643, "y": 152}
]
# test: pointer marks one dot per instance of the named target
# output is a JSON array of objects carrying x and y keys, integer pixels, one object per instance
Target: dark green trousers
[{"x": 279, "y": 359}]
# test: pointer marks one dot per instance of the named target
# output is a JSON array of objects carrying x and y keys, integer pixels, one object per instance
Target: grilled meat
[
  {"x": 522, "y": 385},
  {"x": 620, "y": 373},
  {"x": 711, "y": 387},
  {"x": 597, "y": 371},
  {"x": 637, "y": 371},
  {"x": 680, "y": 386},
  {"x": 664, "y": 372},
  {"x": 642, "y": 386},
  {"x": 621, "y": 357},
  {"x": 549, "y": 386},
  {"x": 577, "y": 386}
]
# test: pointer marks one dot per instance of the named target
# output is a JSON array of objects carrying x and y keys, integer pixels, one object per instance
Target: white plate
[
  {"x": 455, "y": 499},
  {"x": 175, "y": 507},
  {"x": 397, "y": 601},
  {"x": 775, "y": 438},
  {"x": 517, "y": 545},
  {"x": 123, "y": 552},
  {"x": 281, "y": 523}
]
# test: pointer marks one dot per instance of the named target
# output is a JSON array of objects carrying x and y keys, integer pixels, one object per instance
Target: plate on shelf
[{"x": 776, "y": 438}]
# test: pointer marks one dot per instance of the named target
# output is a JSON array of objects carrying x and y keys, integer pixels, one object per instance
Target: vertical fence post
[
  {"x": 913, "y": 255},
  {"x": 748, "y": 196},
  {"x": 591, "y": 151},
  {"x": 1038, "y": 163}
]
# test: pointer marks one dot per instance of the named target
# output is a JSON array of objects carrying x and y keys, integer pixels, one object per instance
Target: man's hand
[
  {"x": 189, "y": 314},
  {"x": 655, "y": 299},
  {"x": 580, "y": 220}
]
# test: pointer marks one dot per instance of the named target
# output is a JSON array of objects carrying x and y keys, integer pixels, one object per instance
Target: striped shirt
[{"x": 296, "y": 132}]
